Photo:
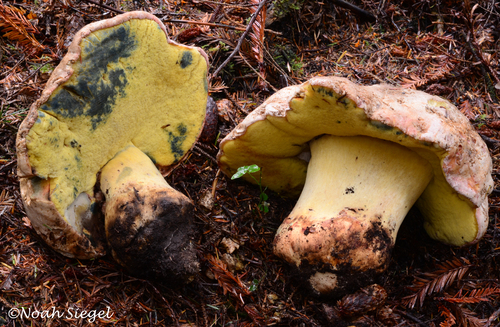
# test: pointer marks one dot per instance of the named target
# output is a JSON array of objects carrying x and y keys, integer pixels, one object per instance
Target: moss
[
  {"x": 286, "y": 57},
  {"x": 284, "y": 7}
]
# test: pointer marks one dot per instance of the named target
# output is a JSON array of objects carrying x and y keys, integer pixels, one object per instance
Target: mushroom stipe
[
  {"x": 337, "y": 222},
  {"x": 147, "y": 221}
]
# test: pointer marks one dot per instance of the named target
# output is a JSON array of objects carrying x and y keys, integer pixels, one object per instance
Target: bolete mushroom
[
  {"x": 124, "y": 99},
  {"x": 361, "y": 156}
]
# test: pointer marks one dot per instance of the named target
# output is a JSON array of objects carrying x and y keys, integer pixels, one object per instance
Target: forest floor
[{"x": 444, "y": 47}]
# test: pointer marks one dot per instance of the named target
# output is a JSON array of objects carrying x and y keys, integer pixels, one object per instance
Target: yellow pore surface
[{"x": 130, "y": 86}]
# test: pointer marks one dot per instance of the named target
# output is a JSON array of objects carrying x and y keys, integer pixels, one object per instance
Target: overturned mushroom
[
  {"x": 374, "y": 151},
  {"x": 124, "y": 98}
]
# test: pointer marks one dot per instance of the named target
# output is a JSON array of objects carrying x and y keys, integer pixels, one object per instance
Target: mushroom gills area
[
  {"x": 149, "y": 225},
  {"x": 357, "y": 192}
]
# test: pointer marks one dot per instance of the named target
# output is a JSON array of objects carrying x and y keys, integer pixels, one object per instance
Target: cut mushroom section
[
  {"x": 362, "y": 156},
  {"x": 123, "y": 85}
]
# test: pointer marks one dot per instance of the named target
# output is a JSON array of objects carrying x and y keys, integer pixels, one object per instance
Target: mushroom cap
[
  {"x": 275, "y": 136},
  {"x": 122, "y": 82}
]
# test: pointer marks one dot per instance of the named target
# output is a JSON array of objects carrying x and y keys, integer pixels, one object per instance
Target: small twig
[
  {"x": 485, "y": 69},
  {"x": 181, "y": 21},
  {"x": 405, "y": 39},
  {"x": 105, "y": 6},
  {"x": 370, "y": 74},
  {"x": 202, "y": 23},
  {"x": 15, "y": 66},
  {"x": 31, "y": 75},
  {"x": 270, "y": 58},
  {"x": 493, "y": 317},
  {"x": 164, "y": 19},
  {"x": 170, "y": 311},
  {"x": 240, "y": 41},
  {"x": 236, "y": 104},
  {"x": 228, "y": 4},
  {"x": 409, "y": 316},
  {"x": 7, "y": 165},
  {"x": 229, "y": 213},
  {"x": 314, "y": 50},
  {"x": 363, "y": 14},
  {"x": 214, "y": 184},
  {"x": 197, "y": 148},
  {"x": 491, "y": 143},
  {"x": 258, "y": 74}
]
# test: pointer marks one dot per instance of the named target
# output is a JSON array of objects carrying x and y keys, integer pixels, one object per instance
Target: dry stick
[
  {"x": 170, "y": 20},
  {"x": 368, "y": 16},
  {"x": 240, "y": 41},
  {"x": 197, "y": 148},
  {"x": 485, "y": 69},
  {"x": 228, "y": 4},
  {"x": 236, "y": 104},
  {"x": 493, "y": 317},
  {"x": 214, "y": 184},
  {"x": 170, "y": 312},
  {"x": 15, "y": 66},
  {"x": 203, "y": 23},
  {"x": 409, "y": 316},
  {"x": 29, "y": 76},
  {"x": 407, "y": 44},
  {"x": 105, "y": 6},
  {"x": 258, "y": 74},
  {"x": 278, "y": 68}
]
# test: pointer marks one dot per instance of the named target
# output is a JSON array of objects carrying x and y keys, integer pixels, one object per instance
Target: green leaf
[
  {"x": 264, "y": 207},
  {"x": 254, "y": 286},
  {"x": 245, "y": 170}
]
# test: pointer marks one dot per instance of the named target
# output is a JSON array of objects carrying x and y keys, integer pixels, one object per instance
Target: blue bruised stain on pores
[
  {"x": 40, "y": 115},
  {"x": 323, "y": 91},
  {"x": 97, "y": 86},
  {"x": 177, "y": 140},
  {"x": 186, "y": 60},
  {"x": 78, "y": 161},
  {"x": 380, "y": 125}
]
